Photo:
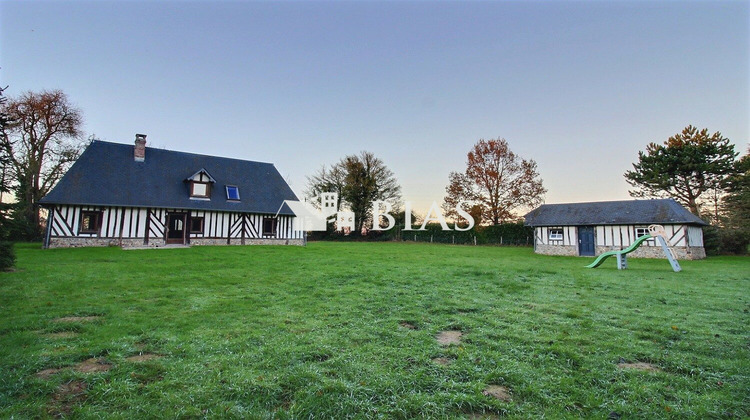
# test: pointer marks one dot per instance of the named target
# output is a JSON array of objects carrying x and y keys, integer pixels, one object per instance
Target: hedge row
[
  {"x": 503, "y": 234},
  {"x": 7, "y": 256}
]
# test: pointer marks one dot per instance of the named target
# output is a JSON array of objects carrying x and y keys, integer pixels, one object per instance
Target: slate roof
[
  {"x": 107, "y": 175},
  {"x": 629, "y": 212}
]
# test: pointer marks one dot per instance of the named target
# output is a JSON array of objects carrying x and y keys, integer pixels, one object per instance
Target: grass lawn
[{"x": 338, "y": 330}]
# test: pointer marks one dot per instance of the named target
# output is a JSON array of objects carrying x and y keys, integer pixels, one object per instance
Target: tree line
[
  {"x": 698, "y": 169},
  {"x": 41, "y": 136}
]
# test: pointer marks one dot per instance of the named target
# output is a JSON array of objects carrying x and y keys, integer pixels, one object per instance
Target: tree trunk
[{"x": 693, "y": 206}]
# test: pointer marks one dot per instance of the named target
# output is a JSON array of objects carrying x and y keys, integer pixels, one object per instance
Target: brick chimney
[{"x": 139, "y": 152}]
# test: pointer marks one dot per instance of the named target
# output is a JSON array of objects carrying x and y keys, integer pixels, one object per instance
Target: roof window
[{"x": 233, "y": 193}]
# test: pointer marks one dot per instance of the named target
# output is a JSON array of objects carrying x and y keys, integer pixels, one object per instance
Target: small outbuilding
[{"x": 590, "y": 229}]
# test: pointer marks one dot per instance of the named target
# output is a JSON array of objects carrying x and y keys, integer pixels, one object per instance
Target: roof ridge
[
  {"x": 612, "y": 201},
  {"x": 657, "y": 210},
  {"x": 184, "y": 153}
]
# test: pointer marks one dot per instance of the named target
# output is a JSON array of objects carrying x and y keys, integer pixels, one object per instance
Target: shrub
[
  {"x": 718, "y": 241},
  {"x": 7, "y": 255},
  {"x": 711, "y": 240},
  {"x": 733, "y": 241}
]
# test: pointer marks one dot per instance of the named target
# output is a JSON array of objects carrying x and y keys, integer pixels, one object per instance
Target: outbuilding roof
[
  {"x": 107, "y": 175},
  {"x": 628, "y": 212}
]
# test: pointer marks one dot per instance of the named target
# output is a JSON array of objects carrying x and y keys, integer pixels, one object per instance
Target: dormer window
[
  {"x": 200, "y": 189},
  {"x": 200, "y": 185},
  {"x": 233, "y": 193}
]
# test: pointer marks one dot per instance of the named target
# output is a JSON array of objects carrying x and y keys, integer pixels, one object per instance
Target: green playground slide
[{"x": 600, "y": 259}]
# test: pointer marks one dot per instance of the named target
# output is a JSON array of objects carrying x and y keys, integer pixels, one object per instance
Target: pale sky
[{"x": 580, "y": 87}]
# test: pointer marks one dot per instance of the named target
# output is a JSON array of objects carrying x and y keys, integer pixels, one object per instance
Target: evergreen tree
[{"x": 684, "y": 167}]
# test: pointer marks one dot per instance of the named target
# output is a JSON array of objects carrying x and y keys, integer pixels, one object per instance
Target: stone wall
[
  {"x": 157, "y": 243},
  {"x": 694, "y": 253},
  {"x": 255, "y": 241},
  {"x": 683, "y": 253},
  {"x": 80, "y": 242},
  {"x": 556, "y": 249},
  {"x": 126, "y": 242}
]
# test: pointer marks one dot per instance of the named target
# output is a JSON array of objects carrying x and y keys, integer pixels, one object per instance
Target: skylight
[{"x": 233, "y": 193}]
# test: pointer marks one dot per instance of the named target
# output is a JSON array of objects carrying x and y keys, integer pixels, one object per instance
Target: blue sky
[{"x": 580, "y": 87}]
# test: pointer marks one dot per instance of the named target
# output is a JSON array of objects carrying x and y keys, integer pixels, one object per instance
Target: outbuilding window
[
  {"x": 91, "y": 222},
  {"x": 556, "y": 234},
  {"x": 641, "y": 231}
]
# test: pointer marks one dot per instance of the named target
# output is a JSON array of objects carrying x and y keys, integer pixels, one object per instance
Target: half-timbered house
[
  {"x": 137, "y": 196},
  {"x": 589, "y": 229}
]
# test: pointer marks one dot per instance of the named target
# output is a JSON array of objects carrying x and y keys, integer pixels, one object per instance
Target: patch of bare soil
[
  {"x": 77, "y": 318},
  {"x": 46, "y": 373},
  {"x": 62, "y": 334},
  {"x": 408, "y": 325},
  {"x": 447, "y": 338},
  {"x": 639, "y": 366},
  {"x": 93, "y": 365},
  {"x": 143, "y": 357},
  {"x": 65, "y": 397},
  {"x": 444, "y": 361},
  {"x": 500, "y": 392}
]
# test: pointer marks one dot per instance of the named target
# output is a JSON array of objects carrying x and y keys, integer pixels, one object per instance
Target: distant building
[
  {"x": 589, "y": 229},
  {"x": 134, "y": 196}
]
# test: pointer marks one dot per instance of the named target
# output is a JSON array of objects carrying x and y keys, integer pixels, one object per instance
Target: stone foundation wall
[
  {"x": 256, "y": 241},
  {"x": 81, "y": 242},
  {"x": 138, "y": 243},
  {"x": 568, "y": 250},
  {"x": 683, "y": 253},
  {"x": 157, "y": 243},
  {"x": 695, "y": 253}
]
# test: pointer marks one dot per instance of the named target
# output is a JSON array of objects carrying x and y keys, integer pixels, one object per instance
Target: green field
[{"x": 337, "y": 330}]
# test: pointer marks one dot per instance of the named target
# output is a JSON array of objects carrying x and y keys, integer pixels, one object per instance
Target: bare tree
[
  {"x": 4, "y": 158},
  {"x": 41, "y": 140}
]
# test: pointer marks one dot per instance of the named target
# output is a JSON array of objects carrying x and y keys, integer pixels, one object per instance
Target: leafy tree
[
  {"x": 359, "y": 180},
  {"x": 737, "y": 205},
  {"x": 737, "y": 201},
  {"x": 496, "y": 182},
  {"x": 400, "y": 218},
  {"x": 41, "y": 140},
  {"x": 327, "y": 179},
  {"x": 685, "y": 166}
]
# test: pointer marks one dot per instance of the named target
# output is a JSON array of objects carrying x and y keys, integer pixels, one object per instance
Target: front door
[
  {"x": 176, "y": 228},
  {"x": 586, "y": 244}
]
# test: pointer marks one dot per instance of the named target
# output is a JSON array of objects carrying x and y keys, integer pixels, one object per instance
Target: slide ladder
[{"x": 655, "y": 231}]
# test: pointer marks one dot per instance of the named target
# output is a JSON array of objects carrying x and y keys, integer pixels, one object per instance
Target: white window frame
[
  {"x": 555, "y": 237},
  {"x": 207, "y": 190},
  {"x": 644, "y": 229}
]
